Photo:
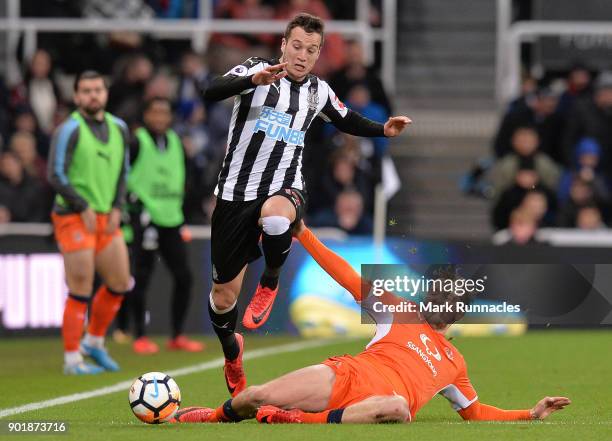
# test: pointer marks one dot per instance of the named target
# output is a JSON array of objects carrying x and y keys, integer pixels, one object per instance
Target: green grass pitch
[{"x": 509, "y": 372}]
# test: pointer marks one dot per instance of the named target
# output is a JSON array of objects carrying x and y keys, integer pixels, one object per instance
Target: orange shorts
[
  {"x": 356, "y": 380},
  {"x": 71, "y": 234}
]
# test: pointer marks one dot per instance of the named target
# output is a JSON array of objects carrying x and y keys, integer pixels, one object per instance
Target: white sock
[
  {"x": 72, "y": 357},
  {"x": 93, "y": 340}
]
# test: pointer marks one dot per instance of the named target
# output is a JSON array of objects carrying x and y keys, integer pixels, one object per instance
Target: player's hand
[
  {"x": 548, "y": 405},
  {"x": 114, "y": 219},
  {"x": 395, "y": 125},
  {"x": 269, "y": 75},
  {"x": 89, "y": 219}
]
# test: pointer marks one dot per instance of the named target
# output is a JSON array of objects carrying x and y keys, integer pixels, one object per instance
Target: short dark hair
[
  {"x": 310, "y": 23},
  {"x": 441, "y": 317},
  {"x": 156, "y": 99},
  {"x": 87, "y": 75}
]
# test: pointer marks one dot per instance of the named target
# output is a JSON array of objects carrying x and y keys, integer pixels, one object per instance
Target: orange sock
[
  {"x": 315, "y": 418},
  {"x": 225, "y": 414},
  {"x": 219, "y": 416},
  {"x": 103, "y": 310},
  {"x": 72, "y": 324}
]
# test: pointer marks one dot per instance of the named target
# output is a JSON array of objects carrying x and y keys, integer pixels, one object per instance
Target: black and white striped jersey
[{"x": 268, "y": 127}]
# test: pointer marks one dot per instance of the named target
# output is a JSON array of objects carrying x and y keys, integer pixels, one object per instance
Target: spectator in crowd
[
  {"x": 24, "y": 120},
  {"x": 586, "y": 168},
  {"x": 522, "y": 228},
  {"x": 342, "y": 174},
  {"x": 579, "y": 86},
  {"x": 592, "y": 118},
  {"x": 539, "y": 113},
  {"x": 39, "y": 91},
  {"x": 529, "y": 85},
  {"x": 23, "y": 144},
  {"x": 589, "y": 218},
  {"x": 19, "y": 193},
  {"x": 524, "y": 143},
  {"x": 369, "y": 151},
  {"x": 535, "y": 202},
  {"x": 357, "y": 72},
  {"x": 526, "y": 179},
  {"x": 333, "y": 53},
  {"x": 160, "y": 85},
  {"x": 193, "y": 72},
  {"x": 126, "y": 94},
  {"x": 347, "y": 214},
  {"x": 581, "y": 194}
]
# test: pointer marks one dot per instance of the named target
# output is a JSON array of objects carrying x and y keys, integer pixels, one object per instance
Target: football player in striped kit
[{"x": 261, "y": 191}]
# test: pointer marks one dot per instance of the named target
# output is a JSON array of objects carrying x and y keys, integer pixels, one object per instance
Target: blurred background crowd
[
  {"x": 138, "y": 67},
  {"x": 551, "y": 161}
]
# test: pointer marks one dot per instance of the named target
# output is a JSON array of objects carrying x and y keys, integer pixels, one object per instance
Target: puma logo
[{"x": 104, "y": 155}]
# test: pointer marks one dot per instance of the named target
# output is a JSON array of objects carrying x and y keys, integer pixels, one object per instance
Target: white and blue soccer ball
[{"x": 154, "y": 397}]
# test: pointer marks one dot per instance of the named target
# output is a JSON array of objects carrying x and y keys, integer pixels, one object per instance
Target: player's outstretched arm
[
  {"x": 226, "y": 86},
  {"x": 356, "y": 124},
  {"x": 236, "y": 81},
  {"x": 483, "y": 412},
  {"x": 548, "y": 405},
  {"x": 353, "y": 123},
  {"x": 334, "y": 265}
]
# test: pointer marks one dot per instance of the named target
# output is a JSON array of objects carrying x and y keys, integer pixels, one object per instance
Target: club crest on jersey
[
  {"x": 312, "y": 98},
  {"x": 277, "y": 125},
  {"x": 425, "y": 339},
  {"x": 449, "y": 353}
]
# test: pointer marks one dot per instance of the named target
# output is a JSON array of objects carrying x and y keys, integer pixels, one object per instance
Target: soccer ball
[{"x": 154, "y": 397}]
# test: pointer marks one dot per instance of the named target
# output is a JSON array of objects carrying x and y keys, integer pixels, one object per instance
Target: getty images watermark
[
  {"x": 538, "y": 294},
  {"x": 445, "y": 290},
  {"x": 461, "y": 288}
]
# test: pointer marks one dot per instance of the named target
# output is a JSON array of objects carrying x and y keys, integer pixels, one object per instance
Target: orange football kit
[{"x": 406, "y": 357}]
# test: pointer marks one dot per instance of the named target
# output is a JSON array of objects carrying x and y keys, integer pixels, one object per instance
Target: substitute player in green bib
[
  {"x": 156, "y": 186},
  {"x": 88, "y": 170}
]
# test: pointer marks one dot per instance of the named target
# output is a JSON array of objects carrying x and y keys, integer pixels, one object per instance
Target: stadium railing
[
  {"x": 199, "y": 29},
  {"x": 564, "y": 237},
  {"x": 197, "y": 231},
  {"x": 511, "y": 35}
]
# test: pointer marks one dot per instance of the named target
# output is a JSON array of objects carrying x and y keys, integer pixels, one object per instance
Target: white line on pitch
[{"x": 124, "y": 385}]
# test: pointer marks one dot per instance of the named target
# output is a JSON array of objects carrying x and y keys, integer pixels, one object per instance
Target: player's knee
[
  {"x": 278, "y": 206},
  {"x": 394, "y": 409},
  {"x": 121, "y": 283},
  {"x": 80, "y": 279},
  {"x": 223, "y": 297}
]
